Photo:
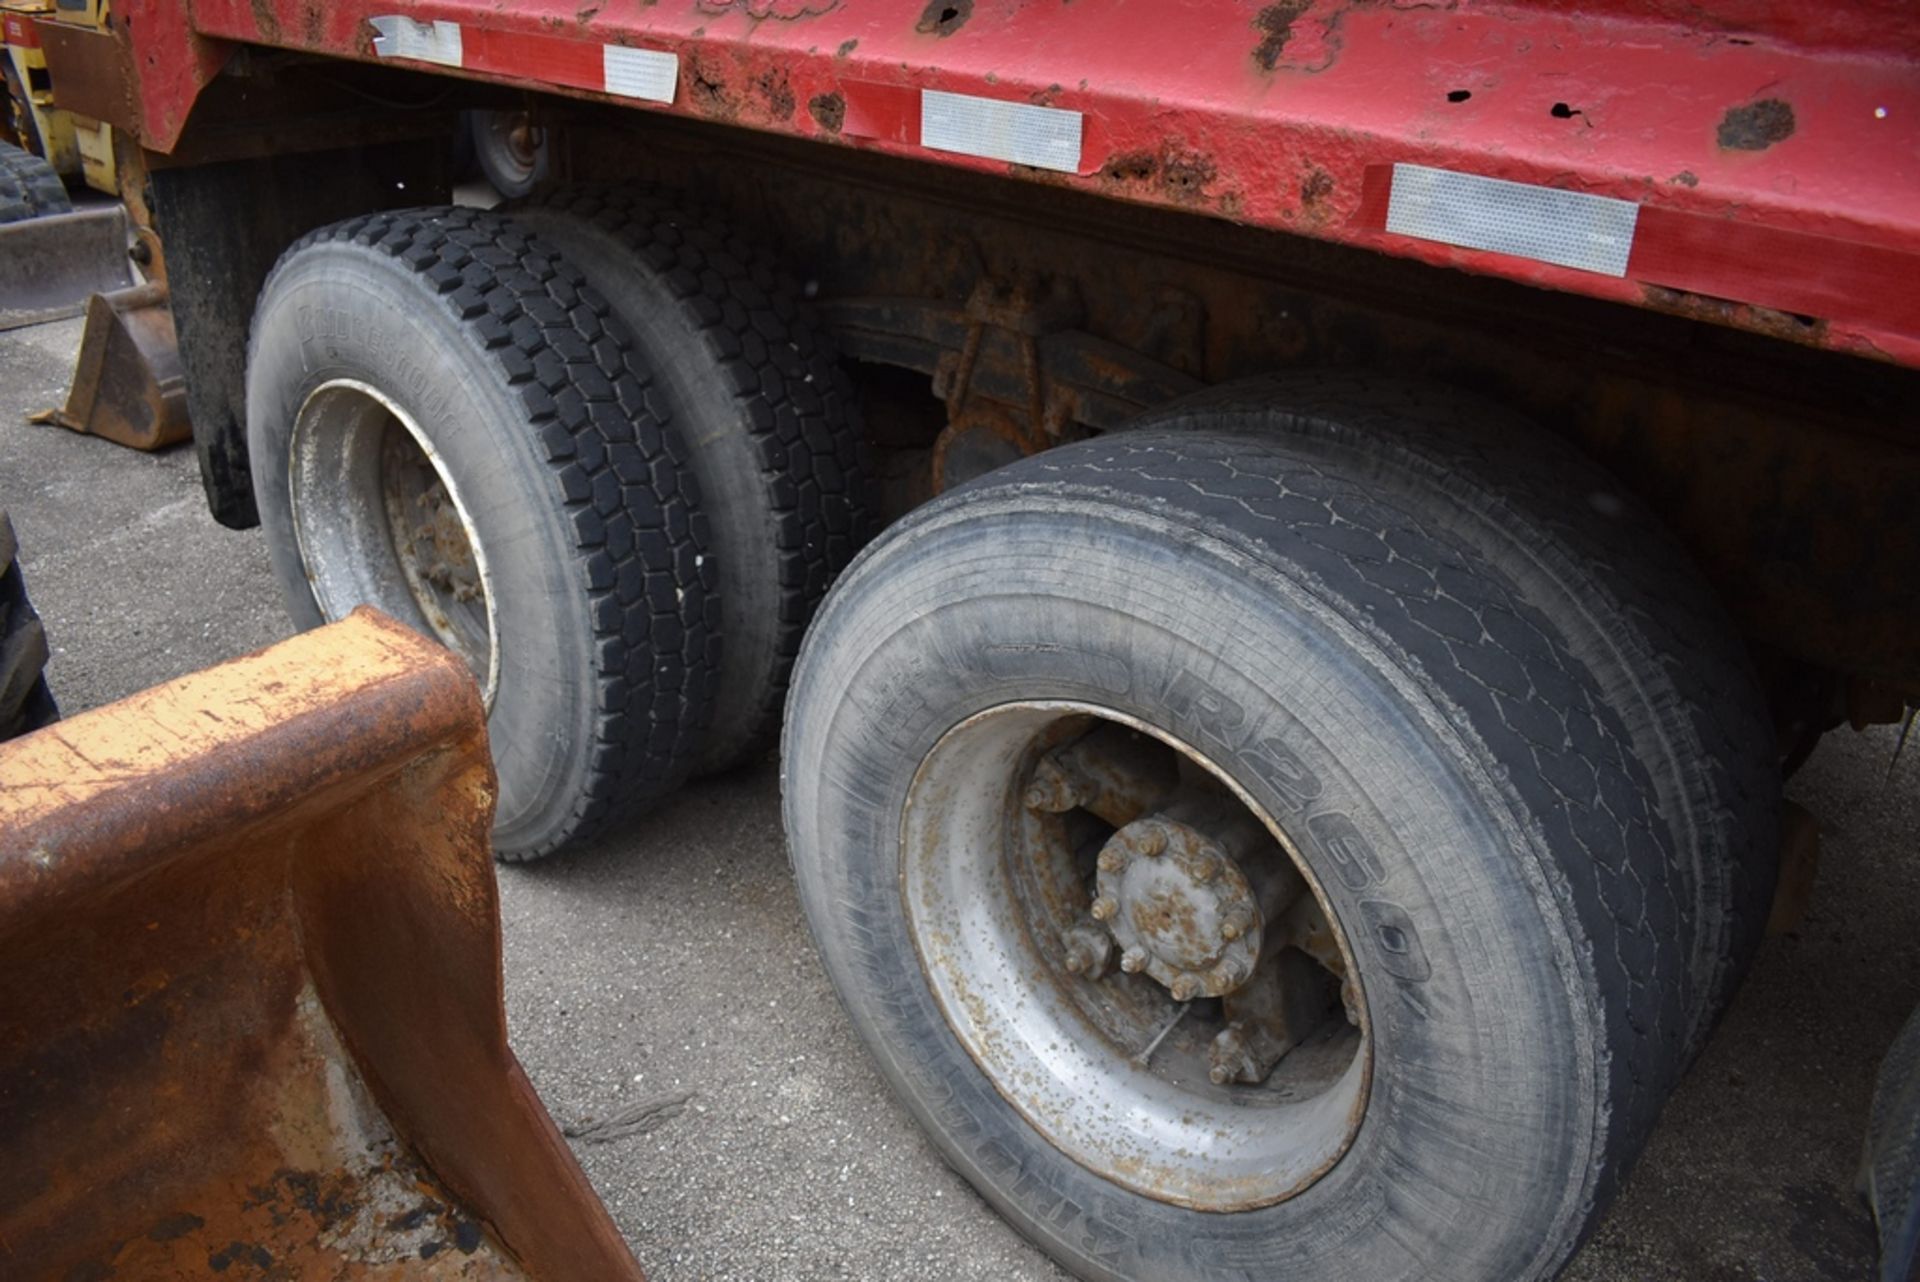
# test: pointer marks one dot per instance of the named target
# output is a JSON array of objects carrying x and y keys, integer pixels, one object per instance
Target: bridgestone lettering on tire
[
  {"x": 29, "y": 186},
  {"x": 534, "y": 513},
  {"x": 766, "y": 413},
  {"x": 1443, "y": 765}
]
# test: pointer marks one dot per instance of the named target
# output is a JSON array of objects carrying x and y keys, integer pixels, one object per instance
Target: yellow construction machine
[{"x": 63, "y": 85}]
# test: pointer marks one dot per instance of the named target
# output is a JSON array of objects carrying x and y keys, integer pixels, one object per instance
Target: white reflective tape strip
[
  {"x": 641, "y": 73},
  {"x": 1044, "y": 137},
  {"x": 1569, "y": 228},
  {"x": 398, "y": 37}
]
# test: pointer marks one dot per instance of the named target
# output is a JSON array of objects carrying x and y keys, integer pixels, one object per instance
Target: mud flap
[{"x": 250, "y": 963}]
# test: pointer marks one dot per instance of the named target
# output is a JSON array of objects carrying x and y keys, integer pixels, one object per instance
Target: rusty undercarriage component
[
  {"x": 250, "y": 959},
  {"x": 128, "y": 386},
  {"x": 1194, "y": 893}
]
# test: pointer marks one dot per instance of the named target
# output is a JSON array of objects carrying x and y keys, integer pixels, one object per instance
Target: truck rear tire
[
  {"x": 768, "y": 418},
  {"x": 29, "y": 187},
  {"x": 25, "y": 702},
  {"x": 1461, "y": 810},
  {"x": 447, "y": 422},
  {"x": 1590, "y": 557}
]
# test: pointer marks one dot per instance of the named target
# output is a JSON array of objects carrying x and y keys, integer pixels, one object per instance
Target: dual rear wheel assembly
[
  {"x": 1306, "y": 834},
  {"x": 617, "y": 486},
  {"x": 1275, "y": 841}
]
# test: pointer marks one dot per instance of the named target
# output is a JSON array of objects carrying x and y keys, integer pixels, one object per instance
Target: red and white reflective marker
[
  {"x": 994, "y": 129},
  {"x": 1787, "y": 270},
  {"x": 650, "y": 75},
  {"x": 1547, "y": 224},
  {"x": 399, "y": 37}
]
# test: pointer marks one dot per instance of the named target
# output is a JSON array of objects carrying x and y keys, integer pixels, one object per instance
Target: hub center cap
[{"x": 1179, "y": 906}]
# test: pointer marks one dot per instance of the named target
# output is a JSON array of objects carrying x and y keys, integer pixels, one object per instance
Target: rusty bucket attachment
[
  {"x": 250, "y": 972},
  {"x": 128, "y": 385}
]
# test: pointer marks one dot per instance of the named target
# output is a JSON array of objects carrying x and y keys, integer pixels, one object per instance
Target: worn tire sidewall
[
  {"x": 1482, "y": 1140},
  {"x": 342, "y": 310}
]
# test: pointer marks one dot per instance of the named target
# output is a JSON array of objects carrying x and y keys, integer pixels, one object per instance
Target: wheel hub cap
[{"x": 1179, "y": 907}]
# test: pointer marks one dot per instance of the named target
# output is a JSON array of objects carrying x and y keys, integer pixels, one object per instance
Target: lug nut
[
  {"x": 1219, "y": 1074},
  {"x": 1206, "y": 869},
  {"x": 1153, "y": 841},
  {"x": 1133, "y": 961},
  {"x": 1037, "y": 798},
  {"x": 1238, "y": 923},
  {"x": 1079, "y": 960},
  {"x": 1185, "y": 988},
  {"x": 1104, "y": 908},
  {"x": 1113, "y": 860}
]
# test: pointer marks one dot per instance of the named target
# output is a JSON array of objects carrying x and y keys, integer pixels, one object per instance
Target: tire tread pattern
[
  {"x": 604, "y": 434},
  {"x": 1670, "y": 660},
  {"x": 790, "y": 391}
]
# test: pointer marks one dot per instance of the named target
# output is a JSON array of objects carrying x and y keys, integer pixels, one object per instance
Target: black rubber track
[
  {"x": 29, "y": 187},
  {"x": 1588, "y": 554},
  {"x": 605, "y": 438},
  {"x": 756, "y": 387},
  {"x": 25, "y": 702}
]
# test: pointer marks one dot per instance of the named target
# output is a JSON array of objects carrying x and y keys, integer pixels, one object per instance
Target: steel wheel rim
[
  {"x": 379, "y": 521},
  {"x": 1113, "y": 1074},
  {"x": 516, "y": 142}
]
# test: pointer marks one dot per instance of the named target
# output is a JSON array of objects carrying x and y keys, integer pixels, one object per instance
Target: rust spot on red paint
[
  {"x": 1722, "y": 311},
  {"x": 773, "y": 86},
  {"x": 829, "y": 111},
  {"x": 944, "y": 17},
  {"x": 780, "y": 10},
  {"x": 1179, "y": 174},
  {"x": 708, "y": 91},
  {"x": 1316, "y": 186},
  {"x": 1275, "y": 25},
  {"x": 1184, "y": 175},
  {"x": 1131, "y": 166},
  {"x": 1686, "y": 178},
  {"x": 265, "y": 20},
  {"x": 1757, "y": 126}
]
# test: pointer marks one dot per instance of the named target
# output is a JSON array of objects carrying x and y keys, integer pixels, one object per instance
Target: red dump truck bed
[{"x": 1754, "y": 163}]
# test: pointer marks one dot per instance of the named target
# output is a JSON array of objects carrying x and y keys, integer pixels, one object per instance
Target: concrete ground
[{"x": 672, "y": 961}]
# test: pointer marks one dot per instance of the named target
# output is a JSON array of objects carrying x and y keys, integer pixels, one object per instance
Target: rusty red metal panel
[{"x": 1800, "y": 121}]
